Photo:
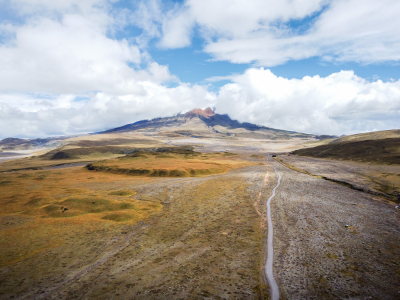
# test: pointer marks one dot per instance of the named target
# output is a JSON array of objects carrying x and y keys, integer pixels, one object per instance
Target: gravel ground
[
  {"x": 332, "y": 242},
  {"x": 384, "y": 179}
]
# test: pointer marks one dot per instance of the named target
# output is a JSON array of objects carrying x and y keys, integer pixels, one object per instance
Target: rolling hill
[
  {"x": 381, "y": 151},
  {"x": 375, "y": 135}
]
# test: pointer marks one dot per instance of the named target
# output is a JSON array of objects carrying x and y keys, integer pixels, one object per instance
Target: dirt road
[{"x": 269, "y": 273}]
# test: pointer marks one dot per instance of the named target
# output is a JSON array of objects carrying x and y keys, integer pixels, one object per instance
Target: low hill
[
  {"x": 26, "y": 144},
  {"x": 168, "y": 162},
  {"x": 375, "y": 135},
  {"x": 382, "y": 151}
]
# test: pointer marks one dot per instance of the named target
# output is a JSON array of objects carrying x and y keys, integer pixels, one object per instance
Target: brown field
[
  {"x": 37, "y": 162},
  {"x": 83, "y": 149},
  {"x": 192, "y": 225},
  {"x": 375, "y": 135},
  {"x": 191, "y": 228},
  {"x": 31, "y": 208},
  {"x": 381, "y": 151},
  {"x": 170, "y": 164}
]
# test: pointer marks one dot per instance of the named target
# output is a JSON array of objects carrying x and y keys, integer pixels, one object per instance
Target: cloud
[
  {"x": 224, "y": 19},
  {"x": 25, "y": 116},
  {"x": 270, "y": 33},
  {"x": 29, "y": 7},
  {"x": 63, "y": 71},
  {"x": 177, "y": 29},
  {"x": 238, "y": 19},
  {"x": 341, "y": 103},
  {"x": 70, "y": 55},
  {"x": 147, "y": 16}
]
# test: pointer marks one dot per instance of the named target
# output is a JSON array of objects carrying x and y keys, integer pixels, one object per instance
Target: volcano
[{"x": 206, "y": 123}]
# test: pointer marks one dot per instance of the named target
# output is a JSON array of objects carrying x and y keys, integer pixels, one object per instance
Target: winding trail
[{"x": 270, "y": 257}]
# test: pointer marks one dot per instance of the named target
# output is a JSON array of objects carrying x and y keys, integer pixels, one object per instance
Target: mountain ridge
[{"x": 209, "y": 121}]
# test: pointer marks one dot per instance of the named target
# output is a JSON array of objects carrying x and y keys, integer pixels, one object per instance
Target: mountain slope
[
  {"x": 375, "y": 135},
  {"x": 382, "y": 151},
  {"x": 205, "y": 123}
]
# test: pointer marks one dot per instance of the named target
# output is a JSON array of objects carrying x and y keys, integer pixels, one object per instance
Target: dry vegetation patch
[
  {"x": 195, "y": 227},
  {"x": 170, "y": 162},
  {"x": 380, "y": 151},
  {"x": 41, "y": 208},
  {"x": 207, "y": 243}
]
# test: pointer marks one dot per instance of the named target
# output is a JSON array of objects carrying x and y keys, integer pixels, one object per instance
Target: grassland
[
  {"x": 380, "y": 151},
  {"x": 375, "y": 135},
  {"x": 45, "y": 247},
  {"x": 169, "y": 162},
  {"x": 33, "y": 208},
  {"x": 206, "y": 244},
  {"x": 163, "y": 222},
  {"x": 82, "y": 150}
]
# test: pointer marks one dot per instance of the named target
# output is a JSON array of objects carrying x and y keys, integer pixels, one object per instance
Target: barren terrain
[
  {"x": 378, "y": 179},
  {"x": 194, "y": 226},
  {"x": 332, "y": 242}
]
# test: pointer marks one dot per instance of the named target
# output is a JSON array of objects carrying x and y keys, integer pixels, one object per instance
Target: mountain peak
[{"x": 206, "y": 113}]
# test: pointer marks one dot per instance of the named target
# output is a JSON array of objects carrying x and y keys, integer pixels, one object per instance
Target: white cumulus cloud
[
  {"x": 63, "y": 71},
  {"x": 341, "y": 103},
  {"x": 270, "y": 33},
  {"x": 25, "y": 116}
]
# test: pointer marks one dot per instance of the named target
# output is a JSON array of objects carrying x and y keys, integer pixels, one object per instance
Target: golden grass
[
  {"x": 207, "y": 223},
  {"x": 318, "y": 143},
  {"x": 375, "y": 135},
  {"x": 33, "y": 216},
  {"x": 170, "y": 164},
  {"x": 32, "y": 219}
]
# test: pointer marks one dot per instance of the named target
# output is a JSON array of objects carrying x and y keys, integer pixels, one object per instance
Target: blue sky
[
  {"x": 192, "y": 64},
  {"x": 316, "y": 66}
]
